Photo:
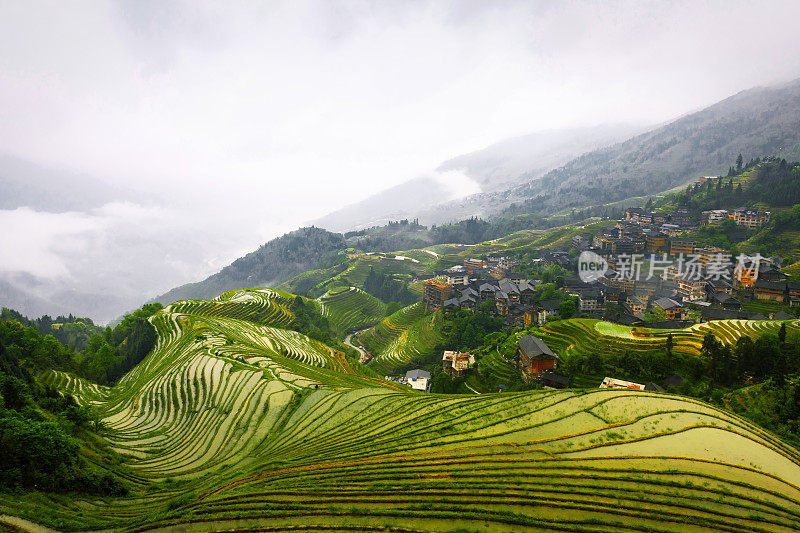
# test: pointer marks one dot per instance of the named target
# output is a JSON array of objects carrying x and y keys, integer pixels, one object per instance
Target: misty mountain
[
  {"x": 269, "y": 266},
  {"x": 515, "y": 161},
  {"x": 25, "y": 184},
  {"x": 392, "y": 204},
  {"x": 497, "y": 167},
  {"x": 36, "y": 296},
  {"x": 757, "y": 122}
]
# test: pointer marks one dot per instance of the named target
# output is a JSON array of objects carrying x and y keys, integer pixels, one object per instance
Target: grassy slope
[
  {"x": 585, "y": 336},
  {"x": 349, "y": 308},
  {"x": 224, "y": 428},
  {"x": 408, "y": 334}
]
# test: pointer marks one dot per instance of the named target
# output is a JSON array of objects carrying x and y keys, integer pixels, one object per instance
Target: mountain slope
[
  {"x": 496, "y": 167},
  {"x": 233, "y": 425},
  {"x": 514, "y": 161},
  {"x": 270, "y": 265},
  {"x": 755, "y": 123}
]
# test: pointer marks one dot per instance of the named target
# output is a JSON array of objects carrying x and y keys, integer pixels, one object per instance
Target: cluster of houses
[
  {"x": 744, "y": 216},
  {"x": 643, "y": 231},
  {"x": 511, "y": 297},
  {"x": 672, "y": 298}
]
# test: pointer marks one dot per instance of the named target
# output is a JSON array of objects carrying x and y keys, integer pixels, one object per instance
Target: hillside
[
  {"x": 494, "y": 168},
  {"x": 234, "y": 424},
  {"x": 754, "y": 123},
  {"x": 270, "y": 265}
]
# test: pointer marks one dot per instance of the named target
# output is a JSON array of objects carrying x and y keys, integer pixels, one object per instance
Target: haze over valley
[{"x": 149, "y": 144}]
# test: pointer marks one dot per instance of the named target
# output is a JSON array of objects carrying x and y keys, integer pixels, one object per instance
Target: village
[{"x": 656, "y": 277}]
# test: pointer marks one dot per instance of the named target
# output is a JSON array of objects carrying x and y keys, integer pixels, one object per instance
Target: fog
[{"x": 221, "y": 125}]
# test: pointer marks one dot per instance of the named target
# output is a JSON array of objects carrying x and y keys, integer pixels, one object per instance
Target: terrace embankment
[{"x": 233, "y": 424}]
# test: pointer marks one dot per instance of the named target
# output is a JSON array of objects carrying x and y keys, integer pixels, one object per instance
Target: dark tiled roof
[
  {"x": 722, "y": 314},
  {"x": 418, "y": 374},
  {"x": 535, "y": 348},
  {"x": 769, "y": 285},
  {"x": 550, "y": 305},
  {"x": 555, "y": 378},
  {"x": 666, "y": 303}
]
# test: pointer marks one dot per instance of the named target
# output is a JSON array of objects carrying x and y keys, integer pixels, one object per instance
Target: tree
[
  {"x": 711, "y": 350},
  {"x": 670, "y": 344},
  {"x": 566, "y": 308},
  {"x": 768, "y": 349},
  {"x": 739, "y": 162}
]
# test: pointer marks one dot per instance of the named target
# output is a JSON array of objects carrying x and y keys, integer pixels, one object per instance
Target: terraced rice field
[
  {"x": 349, "y": 308},
  {"x": 402, "y": 337},
  {"x": 233, "y": 425},
  {"x": 585, "y": 336},
  {"x": 265, "y": 306},
  {"x": 792, "y": 270},
  {"x": 84, "y": 391}
]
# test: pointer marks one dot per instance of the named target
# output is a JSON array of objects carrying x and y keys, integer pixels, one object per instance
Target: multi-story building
[
  {"x": 436, "y": 292},
  {"x": 508, "y": 263},
  {"x": 625, "y": 245},
  {"x": 681, "y": 246},
  {"x": 714, "y": 217},
  {"x": 474, "y": 263},
  {"x": 672, "y": 309},
  {"x": 634, "y": 305},
  {"x": 769, "y": 290},
  {"x": 535, "y": 357},
  {"x": 456, "y": 364},
  {"x": 750, "y": 218},
  {"x": 655, "y": 242},
  {"x": 457, "y": 279},
  {"x": 591, "y": 301},
  {"x": 692, "y": 289},
  {"x": 710, "y": 254},
  {"x": 681, "y": 217}
]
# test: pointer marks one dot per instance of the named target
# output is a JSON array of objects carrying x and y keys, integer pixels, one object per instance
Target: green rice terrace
[
  {"x": 401, "y": 337},
  {"x": 584, "y": 336},
  {"x": 234, "y": 422},
  {"x": 350, "y": 308}
]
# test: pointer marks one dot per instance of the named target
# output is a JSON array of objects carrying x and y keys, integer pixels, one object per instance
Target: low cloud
[{"x": 32, "y": 240}]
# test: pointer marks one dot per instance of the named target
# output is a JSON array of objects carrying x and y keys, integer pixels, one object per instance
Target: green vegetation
[
  {"x": 403, "y": 338},
  {"x": 232, "y": 422},
  {"x": 348, "y": 309},
  {"x": 387, "y": 288},
  {"x": 47, "y": 440},
  {"x": 72, "y": 331},
  {"x": 465, "y": 330}
]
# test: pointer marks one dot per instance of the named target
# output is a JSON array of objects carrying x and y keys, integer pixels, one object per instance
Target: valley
[{"x": 235, "y": 422}]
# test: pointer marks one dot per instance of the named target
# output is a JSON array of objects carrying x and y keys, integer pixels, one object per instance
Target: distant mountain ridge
[
  {"x": 758, "y": 122},
  {"x": 494, "y": 168},
  {"x": 270, "y": 265},
  {"x": 755, "y": 123},
  {"x": 519, "y": 159}
]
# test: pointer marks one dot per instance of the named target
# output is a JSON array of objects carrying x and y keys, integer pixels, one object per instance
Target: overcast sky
[{"x": 242, "y": 120}]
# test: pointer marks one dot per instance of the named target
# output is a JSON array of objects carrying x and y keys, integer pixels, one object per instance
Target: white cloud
[
  {"x": 245, "y": 119},
  {"x": 31, "y": 240},
  {"x": 457, "y": 183}
]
